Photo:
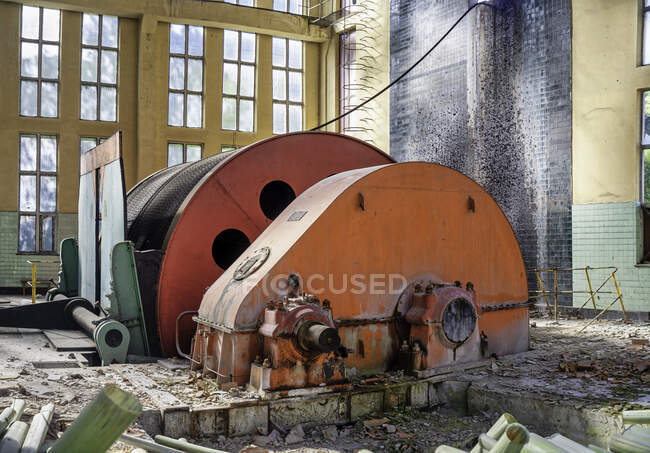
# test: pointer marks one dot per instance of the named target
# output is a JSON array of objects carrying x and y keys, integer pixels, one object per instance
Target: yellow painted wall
[
  {"x": 606, "y": 86},
  {"x": 371, "y": 20},
  {"x": 142, "y": 84}
]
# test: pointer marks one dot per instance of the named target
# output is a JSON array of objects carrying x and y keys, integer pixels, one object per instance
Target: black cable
[{"x": 405, "y": 72}]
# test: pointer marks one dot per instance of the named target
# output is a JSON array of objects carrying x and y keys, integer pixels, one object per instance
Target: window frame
[
  {"x": 644, "y": 9},
  {"x": 643, "y": 205},
  {"x": 184, "y": 145},
  {"x": 98, "y": 141},
  {"x": 287, "y": 102},
  {"x": 238, "y": 96},
  {"x": 301, "y": 4},
  {"x": 37, "y": 214},
  {"x": 99, "y": 84},
  {"x": 185, "y": 91},
  {"x": 39, "y": 79}
]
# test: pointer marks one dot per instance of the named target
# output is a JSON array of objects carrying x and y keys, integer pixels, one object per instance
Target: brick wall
[
  {"x": 493, "y": 101},
  {"x": 609, "y": 234},
  {"x": 14, "y": 267}
]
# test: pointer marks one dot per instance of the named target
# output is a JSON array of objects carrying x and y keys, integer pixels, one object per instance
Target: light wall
[{"x": 607, "y": 81}]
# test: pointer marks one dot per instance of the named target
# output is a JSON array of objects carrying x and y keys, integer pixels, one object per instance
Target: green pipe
[
  {"x": 448, "y": 449},
  {"x": 643, "y": 438},
  {"x": 499, "y": 427},
  {"x": 597, "y": 449},
  {"x": 146, "y": 445},
  {"x": 621, "y": 444},
  {"x": 5, "y": 418},
  {"x": 100, "y": 423},
  {"x": 641, "y": 417},
  {"x": 537, "y": 444},
  {"x": 643, "y": 429},
  {"x": 486, "y": 442},
  {"x": 14, "y": 438},
  {"x": 184, "y": 445},
  {"x": 38, "y": 430},
  {"x": 512, "y": 440}
]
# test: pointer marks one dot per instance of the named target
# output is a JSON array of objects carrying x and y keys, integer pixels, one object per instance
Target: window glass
[
  {"x": 185, "y": 103},
  {"x": 238, "y": 105}
]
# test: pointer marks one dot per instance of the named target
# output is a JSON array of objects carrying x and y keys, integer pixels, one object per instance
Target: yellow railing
[
  {"x": 542, "y": 292},
  {"x": 34, "y": 282}
]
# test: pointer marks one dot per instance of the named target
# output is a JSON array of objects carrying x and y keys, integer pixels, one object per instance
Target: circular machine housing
[{"x": 203, "y": 215}]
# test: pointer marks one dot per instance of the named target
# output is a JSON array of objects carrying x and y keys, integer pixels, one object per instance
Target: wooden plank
[
  {"x": 69, "y": 340},
  {"x": 102, "y": 154}
]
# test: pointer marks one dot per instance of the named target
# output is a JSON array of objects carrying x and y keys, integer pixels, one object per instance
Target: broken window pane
[
  {"x": 109, "y": 66},
  {"x": 230, "y": 45},
  {"x": 28, "y": 97},
  {"x": 195, "y": 41},
  {"x": 295, "y": 86},
  {"x": 86, "y": 144},
  {"x": 295, "y": 54},
  {"x": 29, "y": 59},
  {"x": 51, "y": 24},
  {"x": 295, "y": 118},
  {"x": 49, "y": 99},
  {"x": 28, "y": 152},
  {"x": 48, "y": 153},
  {"x": 89, "y": 29},
  {"x": 50, "y": 61},
  {"x": 279, "y": 52},
  {"x": 246, "y": 115},
  {"x": 176, "y": 73},
  {"x": 174, "y": 154},
  {"x": 27, "y": 233},
  {"x": 108, "y": 104},
  {"x": 195, "y": 74},
  {"x": 88, "y": 65},
  {"x": 175, "y": 113},
  {"x": 279, "y": 118},
  {"x": 279, "y": 85},
  {"x": 248, "y": 47},
  {"x": 88, "y": 102},
  {"x": 247, "y": 80},
  {"x": 47, "y": 231},
  {"x": 177, "y": 38},
  {"x": 228, "y": 114},
  {"x": 47, "y": 202},
  {"x": 194, "y": 110},
  {"x": 27, "y": 197},
  {"x": 193, "y": 153},
  {"x": 229, "y": 78},
  {"x": 30, "y": 22},
  {"x": 280, "y": 5},
  {"x": 109, "y": 31}
]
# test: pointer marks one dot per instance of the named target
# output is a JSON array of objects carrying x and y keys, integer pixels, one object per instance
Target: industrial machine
[{"x": 407, "y": 266}]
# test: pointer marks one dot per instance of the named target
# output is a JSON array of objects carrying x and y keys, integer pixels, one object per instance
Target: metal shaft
[
  {"x": 319, "y": 338},
  {"x": 86, "y": 319},
  {"x": 184, "y": 446},
  {"x": 146, "y": 445}
]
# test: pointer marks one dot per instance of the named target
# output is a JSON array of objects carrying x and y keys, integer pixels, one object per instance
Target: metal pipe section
[
  {"x": 184, "y": 445},
  {"x": 38, "y": 430},
  {"x": 86, "y": 319},
  {"x": 319, "y": 338}
]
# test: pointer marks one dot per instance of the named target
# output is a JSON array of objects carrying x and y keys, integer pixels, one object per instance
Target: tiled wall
[
  {"x": 609, "y": 234},
  {"x": 14, "y": 267},
  {"x": 493, "y": 101}
]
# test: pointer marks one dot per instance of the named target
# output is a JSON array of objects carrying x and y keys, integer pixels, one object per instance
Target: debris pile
[{"x": 508, "y": 436}]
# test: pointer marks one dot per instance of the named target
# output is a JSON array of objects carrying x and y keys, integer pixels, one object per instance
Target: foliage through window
[
  {"x": 238, "y": 101},
  {"x": 99, "y": 67},
  {"x": 287, "y": 85},
  {"x": 37, "y": 193},
  {"x": 39, "y": 61},
  {"x": 185, "y": 104},
  {"x": 177, "y": 153}
]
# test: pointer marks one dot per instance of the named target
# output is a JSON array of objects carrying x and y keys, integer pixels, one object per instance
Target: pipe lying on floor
[{"x": 38, "y": 430}]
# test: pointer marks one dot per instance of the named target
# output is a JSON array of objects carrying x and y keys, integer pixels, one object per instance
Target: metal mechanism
[
  {"x": 199, "y": 217},
  {"x": 368, "y": 270}
]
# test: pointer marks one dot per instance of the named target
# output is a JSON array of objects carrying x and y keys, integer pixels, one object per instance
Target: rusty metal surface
[
  {"x": 411, "y": 219},
  {"x": 228, "y": 198}
]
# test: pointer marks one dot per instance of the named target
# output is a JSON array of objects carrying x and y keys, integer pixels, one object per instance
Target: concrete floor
[{"x": 569, "y": 382}]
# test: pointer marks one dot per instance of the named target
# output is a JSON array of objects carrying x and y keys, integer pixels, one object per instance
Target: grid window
[
  {"x": 241, "y": 2},
  {"x": 39, "y": 62},
  {"x": 99, "y": 67},
  {"x": 238, "y": 101},
  {"x": 347, "y": 60},
  {"x": 645, "y": 174},
  {"x": 37, "y": 193},
  {"x": 177, "y": 153},
  {"x": 185, "y": 106},
  {"x": 88, "y": 143},
  {"x": 289, "y": 6},
  {"x": 287, "y": 85}
]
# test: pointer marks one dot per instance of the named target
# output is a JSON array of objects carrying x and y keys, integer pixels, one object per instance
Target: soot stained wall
[{"x": 493, "y": 101}]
